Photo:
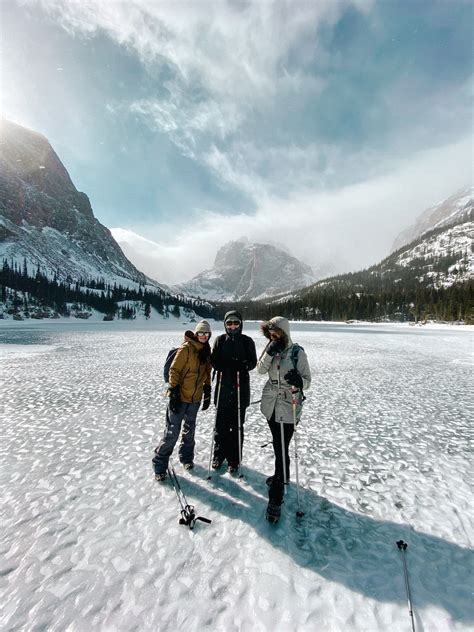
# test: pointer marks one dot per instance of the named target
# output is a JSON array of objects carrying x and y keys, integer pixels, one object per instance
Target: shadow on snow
[{"x": 357, "y": 551}]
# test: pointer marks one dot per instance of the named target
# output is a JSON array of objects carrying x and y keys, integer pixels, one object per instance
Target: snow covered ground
[{"x": 89, "y": 541}]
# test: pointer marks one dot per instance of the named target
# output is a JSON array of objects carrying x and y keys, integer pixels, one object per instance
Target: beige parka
[{"x": 277, "y": 393}]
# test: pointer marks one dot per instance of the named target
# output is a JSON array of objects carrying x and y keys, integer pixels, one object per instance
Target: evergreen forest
[{"x": 368, "y": 295}]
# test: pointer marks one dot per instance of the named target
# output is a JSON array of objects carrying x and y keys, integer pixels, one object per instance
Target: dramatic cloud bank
[{"x": 327, "y": 126}]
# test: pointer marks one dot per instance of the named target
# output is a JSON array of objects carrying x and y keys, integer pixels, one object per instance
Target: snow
[
  {"x": 90, "y": 541},
  {"x": 187, "y": 319},
  {"x": 453, "y": 241},
  {"x": 63, "y": 256},
  {"x": 244, "y": 270}
]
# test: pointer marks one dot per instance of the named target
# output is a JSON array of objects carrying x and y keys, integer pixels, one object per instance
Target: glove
[
  {"x": 207, "y": 397},
  {"x": 294, "y": 378},
  {"x": 275, "y": 346},
  {"x": 175, "y": 399},
  {"x": 239, "y": 365}
]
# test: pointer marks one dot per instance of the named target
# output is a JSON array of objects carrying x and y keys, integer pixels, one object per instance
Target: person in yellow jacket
[{"x": 189, "y": 379}]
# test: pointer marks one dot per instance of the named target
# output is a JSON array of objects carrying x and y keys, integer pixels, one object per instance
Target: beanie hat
[{"x": 202, "y": 326}]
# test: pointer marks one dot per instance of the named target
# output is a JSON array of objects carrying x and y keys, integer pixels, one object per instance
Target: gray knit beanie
[{"x": 202, "y": 326}]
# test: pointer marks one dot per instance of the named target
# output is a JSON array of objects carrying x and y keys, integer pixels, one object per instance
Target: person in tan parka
[{"x": 189, "y": 379}]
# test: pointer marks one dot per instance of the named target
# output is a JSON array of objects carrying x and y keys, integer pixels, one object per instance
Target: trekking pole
[
  {"x": 239, "y": 425},
  {"x": 188, "y": 515},
  {"x": 299, "y": 513},
  {"x": 219, "y": 382},
  {"x": 402, "y": 547}
]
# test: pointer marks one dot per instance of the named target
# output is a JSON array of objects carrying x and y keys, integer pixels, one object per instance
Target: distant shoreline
[{"x": 178, "y": 324}]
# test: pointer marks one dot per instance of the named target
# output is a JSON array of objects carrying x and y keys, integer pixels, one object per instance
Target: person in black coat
[{"x": 232, "y": 357}]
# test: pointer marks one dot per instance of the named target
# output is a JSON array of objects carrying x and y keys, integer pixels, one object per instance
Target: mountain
[
  {"x": 439, "y": 256},
  {"x": 431, "y": 277},
  {"x": 244, "y": 270},
  {"x": 46, "y": 221},
  {"x": 445, "y": 212},
  {"x": 441, "y": 253}
]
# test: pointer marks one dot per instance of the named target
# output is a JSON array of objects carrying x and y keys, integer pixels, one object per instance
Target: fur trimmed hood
[{"x": 280, "y": 324}]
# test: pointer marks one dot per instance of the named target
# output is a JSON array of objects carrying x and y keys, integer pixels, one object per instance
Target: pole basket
[{"x": 189, "y": 518}]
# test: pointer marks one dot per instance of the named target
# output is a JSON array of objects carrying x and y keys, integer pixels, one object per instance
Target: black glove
[
  {"x": 239, "y": 365},
  {"x": 175, "y": 399},
  {"x": 294, "y": 378},
  {"x": 275, "y": 346},
  {"x": 207, "y": 397}
]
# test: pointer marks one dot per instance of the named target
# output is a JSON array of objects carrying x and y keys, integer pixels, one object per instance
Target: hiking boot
[
  {"x": 161, "y": 476},
  {"x": 232, "y": 469},
  {"x": 216, "y": 464},
  {"x": 273, "y": 513},
  {"x": 188, "y": 466}
]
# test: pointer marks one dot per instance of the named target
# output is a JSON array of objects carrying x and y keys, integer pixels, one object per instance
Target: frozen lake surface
[{"x": 89, "y": 541}]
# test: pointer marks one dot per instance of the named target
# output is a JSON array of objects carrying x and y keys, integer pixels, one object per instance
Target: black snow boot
[{"x": 273, "y": 513}]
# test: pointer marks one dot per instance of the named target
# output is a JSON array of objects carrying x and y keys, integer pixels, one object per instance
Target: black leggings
[
  {"x": 276, "y": 489},
  {"x": 226, "y": 439}
]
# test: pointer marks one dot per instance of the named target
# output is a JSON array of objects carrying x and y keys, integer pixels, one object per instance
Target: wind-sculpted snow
[{"x": 89, "y": 540}]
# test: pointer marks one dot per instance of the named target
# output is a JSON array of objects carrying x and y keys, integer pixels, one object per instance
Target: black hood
[{"x": 237, "y": 315}]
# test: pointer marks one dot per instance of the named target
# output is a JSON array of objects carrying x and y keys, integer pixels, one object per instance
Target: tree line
[
  {"x": 385, "y": 291},
  {"x": 99, "y": 295},
  {"x": 372, "y": 295},
  {"x": 342, "y": 303}
]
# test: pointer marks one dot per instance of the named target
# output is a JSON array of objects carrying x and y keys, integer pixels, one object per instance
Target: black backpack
[{"x": 168, "y": 362}]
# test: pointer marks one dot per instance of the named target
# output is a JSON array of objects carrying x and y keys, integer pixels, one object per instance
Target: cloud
[
  {"x": 354, "y": 227},
  {"x": 220, "y": 68},
  {"x": 251, "y": 90},
  {"x": 326, "y": 134}
]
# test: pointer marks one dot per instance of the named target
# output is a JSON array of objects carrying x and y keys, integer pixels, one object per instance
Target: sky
[{"x": 326, "y": 126}]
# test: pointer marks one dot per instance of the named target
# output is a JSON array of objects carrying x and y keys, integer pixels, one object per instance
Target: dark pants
[
  {"x": 280, "y": 447},
  {"x": 188, "y": 413},
  {"x": 226, "y": 438}
]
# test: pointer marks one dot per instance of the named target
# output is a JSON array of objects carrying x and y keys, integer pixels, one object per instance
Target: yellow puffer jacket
[{"x": 187, "y": 371}]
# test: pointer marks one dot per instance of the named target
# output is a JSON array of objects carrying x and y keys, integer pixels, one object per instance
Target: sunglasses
[
  {"x": 203, "y": 333},
  {"x": 236, "y": 323}
]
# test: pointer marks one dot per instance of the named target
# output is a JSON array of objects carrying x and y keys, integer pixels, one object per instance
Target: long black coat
[{"x": 231, "y": 353}]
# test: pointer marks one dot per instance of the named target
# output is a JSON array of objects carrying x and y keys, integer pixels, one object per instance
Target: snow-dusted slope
[
  {"x": 438, "y": 258},
  {"x": 443, "y": 256},
  {"x": 453, "y": 209},
  {"x": 244, "y": 270},
  {"x": 45, "y": 220}
]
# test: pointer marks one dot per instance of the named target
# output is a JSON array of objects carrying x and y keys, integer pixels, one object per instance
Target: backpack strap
[{"x": 295, "y": 349}]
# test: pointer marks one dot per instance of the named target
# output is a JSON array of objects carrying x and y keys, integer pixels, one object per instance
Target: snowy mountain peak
[
  {"x": 46, "y": 221},
  {"x": 244, "y": 270}
]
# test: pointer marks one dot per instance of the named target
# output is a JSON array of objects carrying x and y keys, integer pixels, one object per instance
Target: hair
[{"x": 205, "y": 353}]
